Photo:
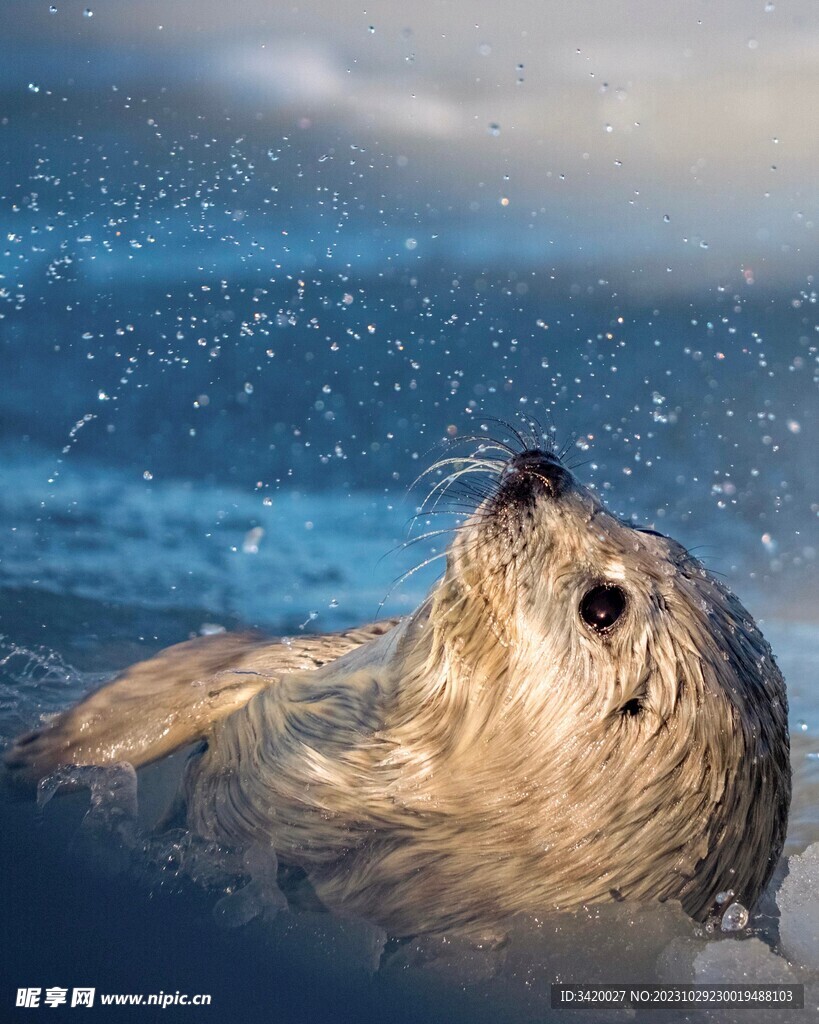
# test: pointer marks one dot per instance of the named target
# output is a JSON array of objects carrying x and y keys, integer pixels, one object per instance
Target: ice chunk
[
  {"x": 735, "y": 961},
  {"x": 252, "y": 900},
  {"x": 745, "y": 961},
  {"x": 260, "y": 897},
  {"x": 798, "y": 900}
]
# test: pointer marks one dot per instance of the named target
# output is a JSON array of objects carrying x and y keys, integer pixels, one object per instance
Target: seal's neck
[{"x": 454, "y": 657}]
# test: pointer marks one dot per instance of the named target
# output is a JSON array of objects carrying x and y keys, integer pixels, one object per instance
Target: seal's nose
[{"x": 534, "y": 473}]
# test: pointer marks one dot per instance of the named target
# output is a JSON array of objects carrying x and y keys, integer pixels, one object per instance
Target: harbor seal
[{"x": 577, "y": 712}]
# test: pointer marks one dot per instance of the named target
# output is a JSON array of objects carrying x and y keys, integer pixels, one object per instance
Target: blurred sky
[{"x": 673, "y": 142}]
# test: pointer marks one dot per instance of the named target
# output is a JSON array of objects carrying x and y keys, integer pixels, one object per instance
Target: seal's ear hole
[
  {"x": 632, "y": 707},
  {"x": 602, "y": 606}
]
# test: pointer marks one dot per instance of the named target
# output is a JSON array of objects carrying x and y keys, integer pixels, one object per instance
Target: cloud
[
  {"x": 300, "y": 74},
  {"x": 651, "y": 132}
]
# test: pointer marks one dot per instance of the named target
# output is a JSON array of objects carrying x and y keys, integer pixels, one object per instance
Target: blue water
[{"x": 243, "y": 302}]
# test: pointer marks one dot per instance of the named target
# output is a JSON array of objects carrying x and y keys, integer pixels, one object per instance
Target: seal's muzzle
[{"x": 534, "y": 474}]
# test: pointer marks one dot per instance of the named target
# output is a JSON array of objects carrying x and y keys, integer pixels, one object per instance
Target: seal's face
[
  {"x": 582, "y": 582},
  {"x": 570, "y": 582},
  {"x": 647, "y": 694}
]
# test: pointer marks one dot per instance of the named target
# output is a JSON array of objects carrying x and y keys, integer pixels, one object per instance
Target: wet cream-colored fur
[{"x": 490, "y": 753}]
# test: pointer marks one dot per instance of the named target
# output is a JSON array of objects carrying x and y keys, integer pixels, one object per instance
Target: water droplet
[
  {"x": 735, "y": 918},
  {"x": 52, "y": 9},
  {"x": 371, "y": 29},
  {"x": 666, "y": 219},
  {"x": 723, "y": 897},
  {"x": 411, "y": 243},
  {"x": 32, "y": 87},
  {"x": 88, "y": 13},
  {"x": 252, "y": 539},
  {"x": 609, "y": 128},
  {"x": 494, "y": 128}
]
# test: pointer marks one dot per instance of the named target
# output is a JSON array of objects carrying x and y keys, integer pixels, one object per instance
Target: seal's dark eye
[{"x": 602, "y": 606}]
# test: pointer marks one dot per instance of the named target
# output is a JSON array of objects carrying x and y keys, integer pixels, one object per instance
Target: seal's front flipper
[
  {"x": 160, "y": 705},
  {"x": 147, "y": 712}
]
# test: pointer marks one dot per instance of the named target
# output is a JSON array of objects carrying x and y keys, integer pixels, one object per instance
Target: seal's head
[{"x": 636, "y": 688}]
